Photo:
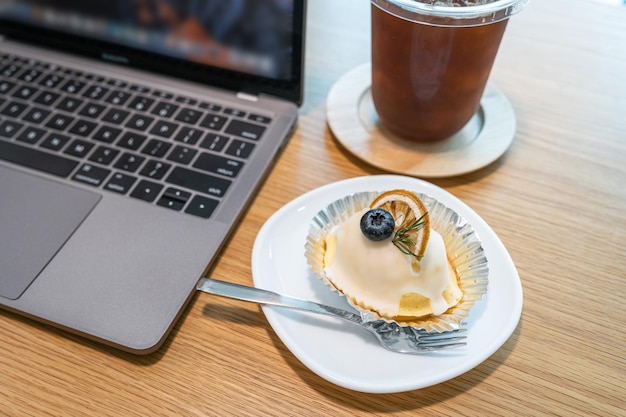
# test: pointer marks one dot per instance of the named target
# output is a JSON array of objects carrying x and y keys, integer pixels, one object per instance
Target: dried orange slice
[{"x": 412, "y": 221}]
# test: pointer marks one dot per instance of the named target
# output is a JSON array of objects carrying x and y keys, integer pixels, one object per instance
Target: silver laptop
[{"x": 132, "y": 136}]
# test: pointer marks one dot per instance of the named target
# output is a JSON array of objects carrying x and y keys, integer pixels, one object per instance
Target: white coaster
[{"x": 353, "y": 120}]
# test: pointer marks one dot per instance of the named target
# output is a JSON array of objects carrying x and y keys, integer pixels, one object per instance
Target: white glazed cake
[{"x": 377, "y": 276}]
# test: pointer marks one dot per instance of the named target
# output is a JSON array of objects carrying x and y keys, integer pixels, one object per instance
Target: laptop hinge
[{"x": 248, "y": 97}]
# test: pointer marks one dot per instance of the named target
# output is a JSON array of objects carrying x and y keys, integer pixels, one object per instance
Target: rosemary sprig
[{"x": 402, "y": 238}]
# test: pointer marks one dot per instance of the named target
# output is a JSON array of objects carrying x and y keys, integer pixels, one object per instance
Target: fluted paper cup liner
[{"x": 463, "y": 247}]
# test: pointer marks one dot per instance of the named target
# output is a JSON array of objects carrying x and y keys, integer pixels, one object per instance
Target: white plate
[{"x": 347, "y": 355}]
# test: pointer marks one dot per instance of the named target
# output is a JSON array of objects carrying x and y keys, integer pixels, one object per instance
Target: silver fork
[{"x": 391, "y": 336}]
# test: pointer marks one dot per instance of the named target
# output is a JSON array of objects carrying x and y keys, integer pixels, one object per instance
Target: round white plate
[
  {"x": 347, "y": 355},
  {"x": 353, "y": 120}
]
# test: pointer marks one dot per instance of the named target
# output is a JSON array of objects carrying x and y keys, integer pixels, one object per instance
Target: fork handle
[{"x": 258, "y": 295}]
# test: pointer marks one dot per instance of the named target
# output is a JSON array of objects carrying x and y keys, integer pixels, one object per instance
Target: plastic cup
[{"x": 431, "y": 63}]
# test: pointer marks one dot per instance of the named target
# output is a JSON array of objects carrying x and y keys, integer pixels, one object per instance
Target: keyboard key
[
  {"x": 197, "y": 181},
  {"x": 129, "y": 162},
  {"x": 36, "y": 159},
  {"x": 92, "y": 110},
  {"x": 186, "y": 100},
  {"x": 115, "y": 116},
  {"x": 218, "y": 165},
  {"x": 117, "y": 83},
  {"x": 95, "y": 78},
  {"x": 201, "y": 206},
  {"x": 33, "y": 62},
  {"x": 163, "y": 129},
  {"x": 189, "y": 135},
  {"x": 171, "y": 203},
  {"x": 155, "y": 169},
  {"x": 164, "y": 109},
  {"x": 83, "y": 127},
  {"x": 234, "y": 112},
  {"x": 54, "y": 141},
  {"x": 182, "y": 154},
  {"x": 14, "y": 109},
  {"x": 73, "y": 72},
  {"x": 259, "y": 119},
  {"x": 52, "y": 67},
  {"x": 9, "y": 128},
  {"x": 147, "y": 190},
  {"x": 10, "y": 70},
  {"x": 73, "y": 86},
  {"x": 95, "y": 92},
  {"x": 91, "y": 174},
  {"x": 156, "y": 147},
  {"x": 177, "y": 194},
  {"x": 69, "y": 104},
  {"x": 210, "y": 106},
  {"x": 174, "y": 198},
  {"x": 131, "y": 141},
  {"x": 214, "y": 142},
  {"x": 104, "y": 155},
  {"x": 120, "y": 183},
  {"x": 31, "y": 135},
  {"x": 139, "y": 122},
  {"x": 188, "y": 115},
  {"x": 29, "y": 75},
  {"x": 79, "y": 148},
  {"x": 139, "y": 88},
  {"x": 24, "y": 92},
  {"x": 46, "y": 98},
  {"x": 118, "y": 97},
  {"x": 141, "y": 103},
  {"x": 107, "y": 134},
  {"x": 240, "y": 148},
  {"x": 36, "y": 115},
  {"x": 245, "y": 130},
  {"x": 162, "y": 94},
  {"x": 6, "y": 86},
  {"x": 59, "y": 121},
  {"x": 213, "y": 121},
  {"x": 51, "y": 80}
]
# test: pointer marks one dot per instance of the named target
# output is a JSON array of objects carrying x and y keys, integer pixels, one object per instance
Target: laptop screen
[{"x": 259, "y": 41}]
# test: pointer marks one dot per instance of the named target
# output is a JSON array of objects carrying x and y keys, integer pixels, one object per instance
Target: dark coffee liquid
[{"x": 427, "y": 81}]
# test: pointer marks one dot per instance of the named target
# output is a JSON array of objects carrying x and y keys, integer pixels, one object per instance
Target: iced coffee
[{"x": 429, "y": 69}]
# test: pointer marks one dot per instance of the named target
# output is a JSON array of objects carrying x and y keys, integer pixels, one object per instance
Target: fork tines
[{"x": 438, "y": 341}]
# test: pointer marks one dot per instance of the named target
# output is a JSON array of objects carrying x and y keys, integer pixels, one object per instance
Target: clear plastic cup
[{"x": 431, "y": 62}]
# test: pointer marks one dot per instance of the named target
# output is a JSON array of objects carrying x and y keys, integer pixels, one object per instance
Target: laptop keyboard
[{"x": 153, "y": 145}]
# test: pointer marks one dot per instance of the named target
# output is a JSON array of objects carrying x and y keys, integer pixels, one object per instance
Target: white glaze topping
[{"x": 379, "y": 274}]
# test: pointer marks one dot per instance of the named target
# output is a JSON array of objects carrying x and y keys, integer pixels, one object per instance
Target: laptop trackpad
[{"x": 37, "y": 216}]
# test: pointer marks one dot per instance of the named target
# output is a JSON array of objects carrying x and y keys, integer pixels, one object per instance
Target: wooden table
[{"x": 557, "y": 200}]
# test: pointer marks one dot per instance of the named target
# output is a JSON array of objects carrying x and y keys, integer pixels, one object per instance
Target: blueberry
[{"x": 377, "y": 224}]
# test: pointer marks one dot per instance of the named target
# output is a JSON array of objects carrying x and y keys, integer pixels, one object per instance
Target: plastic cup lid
[{"x": 452, "y": 12}]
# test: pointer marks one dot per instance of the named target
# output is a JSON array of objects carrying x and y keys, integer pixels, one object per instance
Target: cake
[{"x": 390, "y": 255}]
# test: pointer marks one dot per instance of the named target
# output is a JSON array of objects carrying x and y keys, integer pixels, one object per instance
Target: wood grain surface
[{"x": 557, "y": 200}]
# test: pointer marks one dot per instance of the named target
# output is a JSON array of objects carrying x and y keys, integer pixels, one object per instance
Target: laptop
[{"x": 133, "y": 134}]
